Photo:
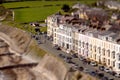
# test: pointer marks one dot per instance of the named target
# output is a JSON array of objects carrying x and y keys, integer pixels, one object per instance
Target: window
[
  {"x": 108, "y": 52},
  {"x": 106, "y": 38},
  {"x": 70, "y": 41},
  {"x": 67, "y": 46},
  {"x": 80, "y": 50},
  {"x": 103, "y": 60},
  {"x": 55, "y": 34},
  {"x": 63, "y": 44},
  {"x": 79, "y": 43},
  {"x": 87, "y": 45},
  {"x": 83, "y": 44},
  {"x": 76, "y": 42},
  {"x": 108, "y": 61},
  {"x": 113, "y": 63},
  {"x": 90, "y": 47},
  {"x": 95, "y": 48},
  {"x": 113, "y": 54},
  {"x": 103, "y": 51},
  {"x": 95, "y": 56},
  {"x": 119, "y": 57},
  {"x": 73, "y": 41},
  {"x": 119, "y": 65},
  {"x": 99, "y": 50}
]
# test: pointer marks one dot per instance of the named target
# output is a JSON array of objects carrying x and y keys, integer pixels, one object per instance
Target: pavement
[{"x": 47, "y": 46}]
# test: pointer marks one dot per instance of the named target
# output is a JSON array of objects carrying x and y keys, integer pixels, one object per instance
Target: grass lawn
[
  {"x": 38, "y": 10},
  {"x": 43, "y": 29},
  {"x": 34, "y": 14}
]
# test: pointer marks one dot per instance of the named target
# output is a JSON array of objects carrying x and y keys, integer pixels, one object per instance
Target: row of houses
[
  {"x": 91, "y": 37},
  {"x": 111, "y": 4}
]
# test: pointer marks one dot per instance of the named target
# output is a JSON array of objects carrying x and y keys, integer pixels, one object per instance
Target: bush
[{"x": 65, "y": 8}]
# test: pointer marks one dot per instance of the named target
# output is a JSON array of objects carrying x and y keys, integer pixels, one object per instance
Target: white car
[
  {"x": 86, "y": 70},
  {"x": 68, "y": 51},
  {"x": 93, "y": 63},
  {"x": 117, "y": 75},
  {"x": 107, "y": 70}
]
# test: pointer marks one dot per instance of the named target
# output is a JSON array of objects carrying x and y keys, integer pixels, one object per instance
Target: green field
[{"x": 30, "y": 11}]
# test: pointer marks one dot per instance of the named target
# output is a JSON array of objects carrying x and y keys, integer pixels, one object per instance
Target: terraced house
[{"x": 92, "y": 38}]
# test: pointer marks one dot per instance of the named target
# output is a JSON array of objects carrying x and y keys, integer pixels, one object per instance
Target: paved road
[{"x": 47, "y": 46}]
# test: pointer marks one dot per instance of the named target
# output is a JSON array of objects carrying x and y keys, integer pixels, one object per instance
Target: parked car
[
  {"x": 100, "y": 75},
  {"x": 74, "y": 55},
  {"x": 113, "y": 73},
  {"x": 57, "y": 47},
  {"x": 61, "y": 55},
  {"x": 81, "y": 58},
  {"x": 68, "y": 57},
  {"x": 104, "y": 78},
  {"x": 80, "y": 68},
  {"x": 93, "y": 73},
  {"x": 71, "y": 62},
  {"x": 39, "y": 42},
  {"x": 117, "y": 75},
  {"x": 86, "y": 70},
  {"x": 68, "y": 51},
  {"x": 101, "y": 68},
  {"x": 88, "y": 62},
  {"x": 93, "y": 63},
  {"x": 111, "y": 78},
  {"x": 107, "y": 70}
]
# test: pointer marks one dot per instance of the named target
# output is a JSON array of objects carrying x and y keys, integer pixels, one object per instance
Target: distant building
[
  {"x": 79, "y": 6},
  {"x": 90, "y": 13},
  {"x": 112, "y": 4}
]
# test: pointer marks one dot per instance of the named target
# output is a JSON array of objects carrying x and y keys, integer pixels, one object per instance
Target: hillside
[{"x": 21, "y": 39}]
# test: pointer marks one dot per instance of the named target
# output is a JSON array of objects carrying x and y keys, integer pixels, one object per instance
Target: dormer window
[
  {"x": 106, "y": 38},
  {"x": 98, "y": 28},
  {"x": 103, "y": 29},
  {"x": 118, "y": 40},
  {"x": 110, "y": 39},
  {"x": 79, "y": 30}
]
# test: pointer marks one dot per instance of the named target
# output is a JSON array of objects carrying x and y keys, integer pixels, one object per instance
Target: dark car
[
  {"x": 100, "y": 75},
  {"x": 71, "y": 62},
  {"x": 93, "y": 73},
  {"x": 113, "y": 73},
  {"x": 80, "y": 68},
  {"x": 68, "y": 57},
  {"x": 104, "y": 78},
  {"x": 57, "y": 47},
  {"x": 61, "y": 55}
]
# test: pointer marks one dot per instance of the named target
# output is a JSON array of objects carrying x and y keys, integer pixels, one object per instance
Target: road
[{"x": 47, "y": 46}]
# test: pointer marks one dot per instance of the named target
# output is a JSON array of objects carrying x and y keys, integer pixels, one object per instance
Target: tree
[
  {"x": 1, "y": 1},
  {"x": 65, "y": 8}
]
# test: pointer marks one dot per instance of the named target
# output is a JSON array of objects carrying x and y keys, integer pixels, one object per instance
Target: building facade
[{"x": 76, "y": 36}]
